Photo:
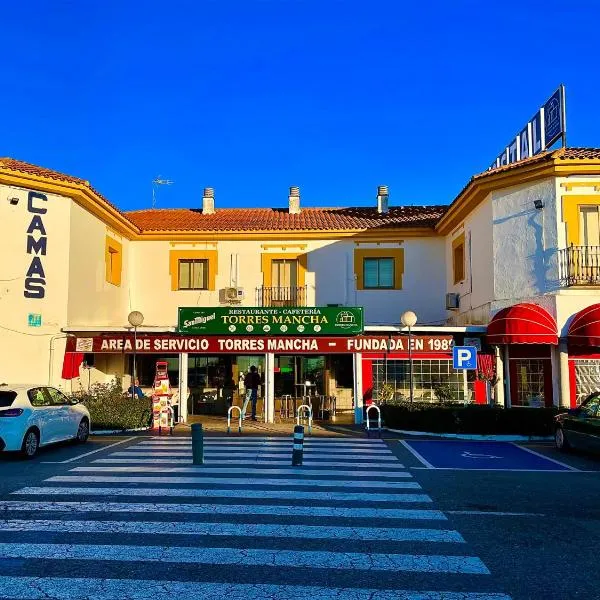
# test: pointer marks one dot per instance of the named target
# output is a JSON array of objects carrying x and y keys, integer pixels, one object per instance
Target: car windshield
[{"x": 7, "y": 398}]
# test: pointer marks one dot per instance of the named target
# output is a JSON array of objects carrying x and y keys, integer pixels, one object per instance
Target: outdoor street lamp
[
  {"x": 409, "y": 319},
  {"x": 135, "y": 318}
]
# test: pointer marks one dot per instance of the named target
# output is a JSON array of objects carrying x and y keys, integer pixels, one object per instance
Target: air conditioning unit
[
  {"x": 452, "y": 301},
  {"x": 231, "y": 294}
]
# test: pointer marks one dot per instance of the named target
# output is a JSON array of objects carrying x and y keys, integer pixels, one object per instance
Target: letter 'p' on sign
[{"x": 464, "y": 357}]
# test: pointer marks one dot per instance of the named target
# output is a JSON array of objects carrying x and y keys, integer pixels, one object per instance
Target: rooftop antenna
[{"x": 156, "y": 182}]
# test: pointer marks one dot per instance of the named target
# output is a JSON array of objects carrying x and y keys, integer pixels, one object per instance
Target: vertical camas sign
[{"x": 35, "y": 278}]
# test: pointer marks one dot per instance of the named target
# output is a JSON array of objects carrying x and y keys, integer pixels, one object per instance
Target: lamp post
[
  {"x": 135, "y": 318},
  {"x": 409, "y": 319}
]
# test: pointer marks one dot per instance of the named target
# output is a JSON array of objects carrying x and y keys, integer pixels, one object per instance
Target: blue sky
[{"x": 252, "y": 96}]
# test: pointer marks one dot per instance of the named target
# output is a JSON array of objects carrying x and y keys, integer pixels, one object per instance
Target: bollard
[
  {"x": 197, "y": 444},
  {"x": 298, "y": 450}
]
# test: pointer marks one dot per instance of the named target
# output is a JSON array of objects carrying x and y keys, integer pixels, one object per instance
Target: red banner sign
[{"x": 214, "y": 344}]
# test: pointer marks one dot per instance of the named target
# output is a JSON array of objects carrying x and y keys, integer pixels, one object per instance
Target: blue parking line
[{"x": 488, "y": 456}]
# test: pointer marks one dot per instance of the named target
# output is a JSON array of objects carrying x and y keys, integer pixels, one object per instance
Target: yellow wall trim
[
  {"x": 113, "y": 259},
  {"x": 458, "y": 270},
  {"x": 570, "y": 215},
  {"x": 361, "y": 253},
  {"x": 569, "y": 185},
  {"x": 283, "y": 246},
  {"x": 267, "y": 258},
  {"x": 210, "y": 255}
]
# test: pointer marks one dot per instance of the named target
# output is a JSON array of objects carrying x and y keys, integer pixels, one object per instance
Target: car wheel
[
  {"x": 560, "y": 439},
  {"x": 31, "y": 444},
  {"x": 83, "y": 432}
]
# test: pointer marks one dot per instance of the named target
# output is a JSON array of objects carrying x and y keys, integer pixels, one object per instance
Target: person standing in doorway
[{"x": 251, "y": 383}]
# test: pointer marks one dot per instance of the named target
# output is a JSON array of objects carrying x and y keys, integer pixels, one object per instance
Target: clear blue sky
[{"x": 252, "y": 96}]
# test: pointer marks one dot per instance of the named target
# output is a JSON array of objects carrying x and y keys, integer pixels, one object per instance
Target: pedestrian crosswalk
[{"x": 143, "y": 521}]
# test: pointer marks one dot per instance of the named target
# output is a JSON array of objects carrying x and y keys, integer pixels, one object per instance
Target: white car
[{"x": 36, "y": 415}]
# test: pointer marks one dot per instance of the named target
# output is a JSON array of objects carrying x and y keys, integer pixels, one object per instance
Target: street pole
[
  {"x": 134, "y": 359},
  {"x": 410, "y": 362}
]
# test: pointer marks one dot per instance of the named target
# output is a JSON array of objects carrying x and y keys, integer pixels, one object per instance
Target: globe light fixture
[{"x": 409, "y": 319}]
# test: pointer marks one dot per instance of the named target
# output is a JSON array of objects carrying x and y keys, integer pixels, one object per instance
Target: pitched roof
[
  {"x": 279, "y": 219},
  {"x": 11, "y": 164}
]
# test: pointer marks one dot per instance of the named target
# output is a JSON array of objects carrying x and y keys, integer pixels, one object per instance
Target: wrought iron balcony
[
  {"x": 580, "y": 265},
  {"x": 281, "y": 296}
]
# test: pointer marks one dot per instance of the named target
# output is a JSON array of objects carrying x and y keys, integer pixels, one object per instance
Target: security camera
[{"x": 13, "y": 201}]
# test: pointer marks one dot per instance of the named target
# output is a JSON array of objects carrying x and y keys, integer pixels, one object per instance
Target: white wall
[
  {"x": 330, "y": 267},
  {"x": 92, "y": 300},
  {"x": 525, "y": 241},
  {"x": 24, "y": 350}
]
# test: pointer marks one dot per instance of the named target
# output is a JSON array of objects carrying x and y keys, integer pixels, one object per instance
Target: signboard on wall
[
  {"x": 317, "y": 320},
  {"x": 173, "y": 344},
  {"x": 541, "y": 131}
]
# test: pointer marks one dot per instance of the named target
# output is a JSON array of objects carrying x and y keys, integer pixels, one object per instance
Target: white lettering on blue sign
[
  {"x": 540, "y": 132},
  {"x": 464, "y": 357}
]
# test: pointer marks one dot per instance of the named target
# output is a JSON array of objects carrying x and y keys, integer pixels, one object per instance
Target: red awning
[
  {"x": 522, "y": 324},
  {"x": 584, "y": 329}
]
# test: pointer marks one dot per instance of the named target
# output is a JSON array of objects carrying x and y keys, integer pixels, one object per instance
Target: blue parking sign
[{"x": 464, "y": 357}]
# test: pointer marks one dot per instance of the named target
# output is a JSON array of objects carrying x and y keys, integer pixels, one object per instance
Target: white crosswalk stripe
[{"x": 268, "y": 529}]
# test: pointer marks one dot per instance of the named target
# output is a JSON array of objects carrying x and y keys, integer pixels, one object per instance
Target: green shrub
[
  {"x": 469, "y": 419},
  {"x": 111, "y": 409}
]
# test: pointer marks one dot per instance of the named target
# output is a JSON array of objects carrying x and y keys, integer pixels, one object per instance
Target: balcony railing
[
  {"x": 281, "y": 296},
  {"x": 580, "y": 265}
]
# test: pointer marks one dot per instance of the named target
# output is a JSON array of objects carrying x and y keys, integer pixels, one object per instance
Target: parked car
[
  {"x": 580, "y": 427},
  {"x": 36, "y": 415}
]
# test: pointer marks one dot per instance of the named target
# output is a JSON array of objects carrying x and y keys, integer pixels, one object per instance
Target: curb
[
  {"x": 477, "y": 437},
  {"x": 118, "y": 431}
]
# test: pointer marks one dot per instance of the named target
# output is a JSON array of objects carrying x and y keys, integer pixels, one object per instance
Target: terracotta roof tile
[
  {"x": 19, "y": 166},
  {"x": 274, "y": 219}
]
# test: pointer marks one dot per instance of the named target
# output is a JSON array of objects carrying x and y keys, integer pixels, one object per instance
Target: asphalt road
[{"x": 251, "y": 535}]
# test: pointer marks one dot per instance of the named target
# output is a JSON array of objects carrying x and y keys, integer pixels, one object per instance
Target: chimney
[
  {"x": 382, "y": 199},
  {"x": 208, "y": 201},
  {"x": 294, "y": 201}
]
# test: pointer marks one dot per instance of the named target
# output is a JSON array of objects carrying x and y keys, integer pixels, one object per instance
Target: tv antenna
[{"x": 155, "y": 183}]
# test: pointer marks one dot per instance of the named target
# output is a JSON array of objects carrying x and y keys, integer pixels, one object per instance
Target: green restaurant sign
[{"x": 317, "y": 320}]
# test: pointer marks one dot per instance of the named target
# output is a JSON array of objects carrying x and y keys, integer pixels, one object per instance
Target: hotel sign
[
  {"x": 543, "y": 129},
  {"x": 273, "y": 321},
  {"x": 221, "y": 344}
]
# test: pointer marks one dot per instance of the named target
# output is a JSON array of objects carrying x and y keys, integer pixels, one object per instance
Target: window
[
  {"x": 530, "y": 383},
  {"x": 284, "y": 273},
  {"x": 38, "y": 397},
  {"x": 7, "y": 398},
  {"x": 589, "y": 223},
  {"x": 114, "y": 261},
  {"x": 193, "y": 274},
  {"x": 57, "y": 398},
  {"x": 379, "y": 269},
  {"x": 458, "y": 258},
  {"x": 378, "y": 273},
  {"x": 193, "y": 269},
  {"x": 587, "y": 378},
  {"x": 433, "y": 380}
]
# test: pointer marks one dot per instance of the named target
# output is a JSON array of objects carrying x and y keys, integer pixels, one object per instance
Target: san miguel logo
[{"x": 37, "y": 243}]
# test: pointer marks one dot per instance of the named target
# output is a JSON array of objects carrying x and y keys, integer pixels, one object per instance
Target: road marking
[
  {"x": 390, "y": 534},
  {"x": 345, "y": 483},
  {"x": 236, "y": 493},
  {"x": 58, "y": 462},
  {"x": 494, "y": 513},
  {"x": 356, "y": 561},
  {"x": 255, "y": 448},
  {"x": 200, "y": 469},
  {"x": 36, "y": 588},
  {"x": 351, "y": 457},
  {"x": 557, "y": 462},
  {"x": 245, "y": 461},
  {"x": 276, "y": 440},
  {"x": 221, "y": 509},
  {"x": 502, "y": 470},
  {"x": 420, "y": 458},
  {"x": 467, "y": 454}
]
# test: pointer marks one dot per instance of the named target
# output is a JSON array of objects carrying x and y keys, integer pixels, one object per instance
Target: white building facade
[{"x": 524, "y": 234}]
